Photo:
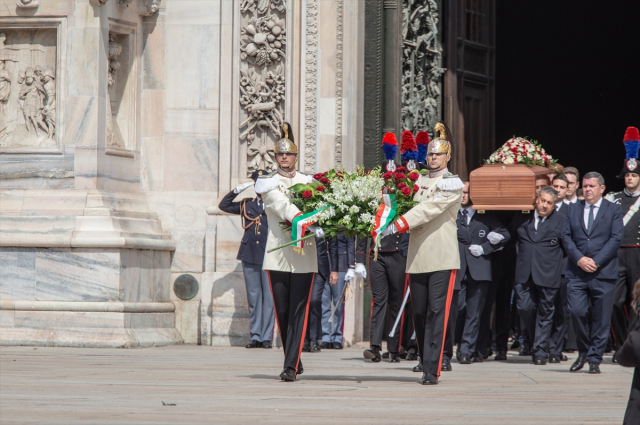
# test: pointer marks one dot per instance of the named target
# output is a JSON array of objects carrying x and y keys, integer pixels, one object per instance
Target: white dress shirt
[
  {"x": 470, "y": 213},
  {"x": 559, "y": 204},
  {"x": 595, "y": 211},
  {"x": 574, "y": 200}
]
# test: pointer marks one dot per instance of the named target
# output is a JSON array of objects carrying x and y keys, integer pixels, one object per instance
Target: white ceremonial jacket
[
  {"x": 275, "y": 195},
  {"x": 433, "y": 233}
]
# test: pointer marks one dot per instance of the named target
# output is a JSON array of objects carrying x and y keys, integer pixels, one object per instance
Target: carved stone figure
[
  {"x": 148, "y": 7},
  {"x": 5, "y": 92},
  {"x": 262, "y": 6},
  {"x": 421, "y": 66},
  {"x": 27, "y": 4},
  {"x": 32, "y": 94},
  {"x": 263, "y": 40},
  {"x": 49, "y": 110},
  {"x": 114, "y": 137}
]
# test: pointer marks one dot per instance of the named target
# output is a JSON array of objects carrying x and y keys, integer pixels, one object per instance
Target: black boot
[
  {"x": 288, "y": 374},
  {"x": 373, "y": 354}
]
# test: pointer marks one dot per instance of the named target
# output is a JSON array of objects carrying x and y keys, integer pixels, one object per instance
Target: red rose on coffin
[
  {"x": 324, "y": 180},
  {"x": 387, "y": 175},
  {"x": 406, "y": 191},
  {"x": 400, "y": 176},
  {"x": 415, "y": 188},
  {"x": 401, "y": 185},
  {"x": 318, "y": 176},
  {"x": 307, "y": 194},
  {"x": 414, "y": 176},
  {"x": 321, "y": 188}
]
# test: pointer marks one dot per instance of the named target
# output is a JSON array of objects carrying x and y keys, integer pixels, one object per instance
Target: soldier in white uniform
[
  {"x": 290, "y": 274},
  {"x": 433, "y": 257}
]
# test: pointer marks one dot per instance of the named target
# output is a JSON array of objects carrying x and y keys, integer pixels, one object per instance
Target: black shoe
[
  {"x": 487, "y": 353},
  {"x": 267, "y": 344},
  {"x": 411, "y": 354},
  {"x": 254, "y": 344},
  {"x": 525, "y": 351},
  {"x": 372, "y": 354},
  {"x": 306, "y": 347},
  {"x": 288, "y": 374},
  {"x": 394, "y": 358},
  {"x": 501, "y": 356},
  {"x": 337, "y": 346},
  {"x": 564, "y": 358},
  {"x": 515, "y": 345},
  {"x": 446, "y": 365},
  {"x": 326, "y": 345},
  {"x": 477, "y": 358},
  {"x": 594, "y": 368},
  {"x": 385, "y": 355},
  {"x": 418, "y": 367},
  {"x": 464, "y": 359},
  {"x": 554, "y": 358},
  {"x": 429, "y": 379},
  {"x": 314, "y": 347},
  {"x": 539, "y": 360},
  {"x": 578, "y": 364},
  {"x": 300, "y": 368}
]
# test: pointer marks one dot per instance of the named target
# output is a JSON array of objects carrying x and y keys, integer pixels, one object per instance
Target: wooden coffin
[{"x": 505, "y": 187}]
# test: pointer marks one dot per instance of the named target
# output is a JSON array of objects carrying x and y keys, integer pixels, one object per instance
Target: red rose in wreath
[
  {"x": 415, "y": 188},
  {"x": 400, "y": 176},
  {"x": 414, "y": 176},
  {"x": 307, "y": 194},
  {"x": 401, "y": 185},
  {"x": 401, "y": 169},
  {"x": 324, "y": 180},
  {"x": 387, "y": 175},
  {"x": 321, "y": 188},
  {"x": 406, "y": 191},
  {"x": 318, "y": 176}
]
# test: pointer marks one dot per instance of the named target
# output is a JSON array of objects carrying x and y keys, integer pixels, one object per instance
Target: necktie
[
  {"x": 590, "y": 218},
  {"x": 464, "y": 216}
]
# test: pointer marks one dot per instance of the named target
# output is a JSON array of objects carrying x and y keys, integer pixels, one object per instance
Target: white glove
[
  {"x": 351, "y": 273},
  {"x": 317, "y": 230},
  {"x": 476, "y": 250},
  {"x": 389, "y": 230},
  {"x": 361, "y": 270},
  {"x": 243, "y": 187},
  {"x": 495, "y": 238}
]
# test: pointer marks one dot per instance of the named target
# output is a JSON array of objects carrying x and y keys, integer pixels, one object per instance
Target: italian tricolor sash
[
  {"x": 299, "y": 227},
  {"x": 386, "y": 213}
]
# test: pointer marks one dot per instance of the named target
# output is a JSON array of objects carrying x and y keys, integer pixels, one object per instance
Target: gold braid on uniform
[{"x": 245, "y": 217}]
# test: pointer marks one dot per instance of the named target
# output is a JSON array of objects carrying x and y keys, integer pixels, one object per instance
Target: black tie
[
  {"x": 590, "y": 219},
  {"x": 463, "y": 217}
]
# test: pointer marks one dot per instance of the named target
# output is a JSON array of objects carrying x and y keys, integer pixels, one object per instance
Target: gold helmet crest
[
  {"x": 440, "y": 144},
  {"x": 285, "y": 144}
]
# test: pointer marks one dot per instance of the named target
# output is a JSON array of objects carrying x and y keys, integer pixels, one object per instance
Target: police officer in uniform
[
  {"x": 387, "y": 277},
  {"x": 624, "y": 318},
  {"x": 432, "y": 258},
  {"x": 254, "y": 222},
  {"x": 290, "y": 273}
]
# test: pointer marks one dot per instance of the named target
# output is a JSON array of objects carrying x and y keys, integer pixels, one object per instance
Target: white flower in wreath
[{"x": 508, "y": 160}]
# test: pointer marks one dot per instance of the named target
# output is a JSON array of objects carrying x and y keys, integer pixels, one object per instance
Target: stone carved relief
[
  {"x": 311, "y": 87},
  {"x": 114, "y": 135},
  {"x": 27, "y": 4},
  {"x": 148, "y": 7},
  {"x": 28, "y": 89},
  {"x": 421, "y": 66},
  {"x": 339, "y": 40},
  {"x": 262, "y": 80},
  {"x": 123, "y": 4}
]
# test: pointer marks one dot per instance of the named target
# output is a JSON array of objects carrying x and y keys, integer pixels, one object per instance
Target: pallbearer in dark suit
[
  {"x": 625, "y": 318},
  {"x": 561, "y": 316},
  {"x": 254, "y": 222},
  {"x": 475, "y": 274},
  {"x": 592, "y": 234},
  {"x": 538, "y": 271}
]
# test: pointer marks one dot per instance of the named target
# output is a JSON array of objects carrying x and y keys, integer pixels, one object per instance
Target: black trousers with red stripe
[
  {"x": 431, "y": 295},
  {"x": 387, "y": 277},
  {"x": 291, "y": 293}
]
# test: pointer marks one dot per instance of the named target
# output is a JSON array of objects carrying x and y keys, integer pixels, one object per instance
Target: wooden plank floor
[{"x": 216, "y": 385}]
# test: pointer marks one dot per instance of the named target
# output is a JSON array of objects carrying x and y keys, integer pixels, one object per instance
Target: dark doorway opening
[{"x": 568, "y": 75}]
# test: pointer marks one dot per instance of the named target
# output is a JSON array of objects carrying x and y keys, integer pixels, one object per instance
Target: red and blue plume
[
  {"x": 422, "y": 139},
  {"x": 390, "y": 146},
  {"x": 632, "y": 142},
  {"x": 408, "y": 147}
]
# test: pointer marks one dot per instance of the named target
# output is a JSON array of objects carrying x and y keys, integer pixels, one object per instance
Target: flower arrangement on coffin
[{"x": 519, "y": 150}]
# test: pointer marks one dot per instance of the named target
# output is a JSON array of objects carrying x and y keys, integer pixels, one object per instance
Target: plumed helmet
[
  {"x": 440, "y": 144},
  {"x": 286, "y": 144},
  {"x": 631, "y": 146}
]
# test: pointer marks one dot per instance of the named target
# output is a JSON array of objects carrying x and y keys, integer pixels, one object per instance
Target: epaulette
[
  {"x": 450, "y": 182},
  {"x": 268, "y": 176},
  {"x": 613, "y": 197}
]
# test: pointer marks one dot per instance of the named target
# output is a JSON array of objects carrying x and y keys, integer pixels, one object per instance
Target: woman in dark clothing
[{"x": 629, "y": 356}]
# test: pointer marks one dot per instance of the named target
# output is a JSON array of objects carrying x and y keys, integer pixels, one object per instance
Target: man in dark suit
[
  {"x": 561, "y": 316},
  {"x": 592, "y": 234},
  {"x": 475, "y": 273},
  {"x": 254, "y": 222},
  {"x": 538, "y": 271}
]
